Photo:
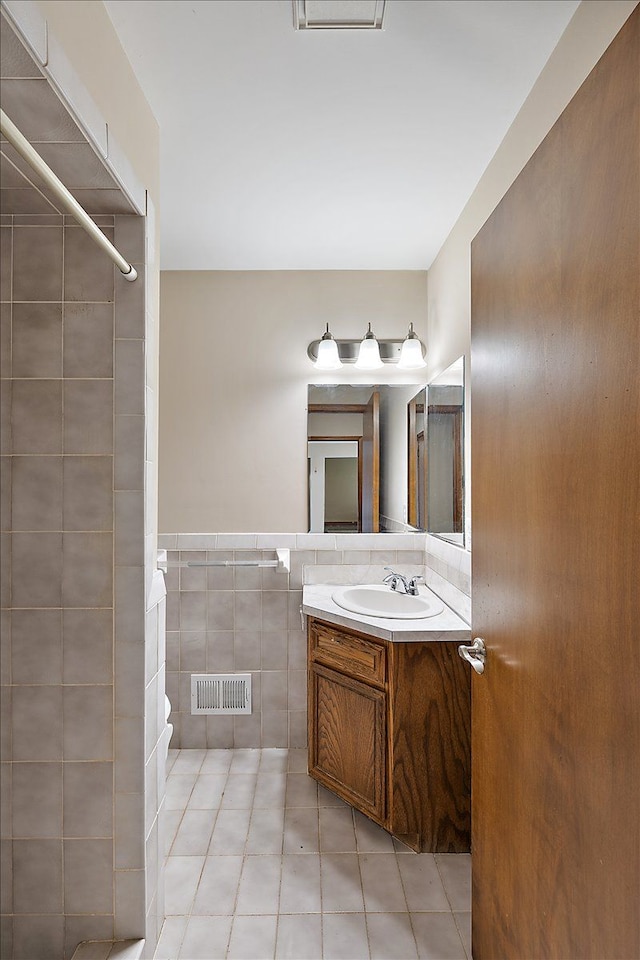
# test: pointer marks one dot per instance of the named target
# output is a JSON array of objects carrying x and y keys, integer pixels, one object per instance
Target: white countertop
[{"x": 317, "y": 602}]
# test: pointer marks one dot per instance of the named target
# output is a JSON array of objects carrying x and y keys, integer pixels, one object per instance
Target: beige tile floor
[{"x": 264, "y": 863}]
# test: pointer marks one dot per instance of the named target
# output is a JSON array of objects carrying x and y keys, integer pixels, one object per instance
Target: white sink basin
[{"x": 379, "y": 600}]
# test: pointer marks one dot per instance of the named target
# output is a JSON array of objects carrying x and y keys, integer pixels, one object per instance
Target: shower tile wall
[
  {"x": 73, "y": 454},
  {"x": 225, "y": 619}
]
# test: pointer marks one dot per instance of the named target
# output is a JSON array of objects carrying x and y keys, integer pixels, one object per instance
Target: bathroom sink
[{"x": 379, "y": 600}]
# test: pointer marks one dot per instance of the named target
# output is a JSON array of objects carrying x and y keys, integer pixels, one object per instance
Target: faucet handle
[{"x": 413, "y": 584}]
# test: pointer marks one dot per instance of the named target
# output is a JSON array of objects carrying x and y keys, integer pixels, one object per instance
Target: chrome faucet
[{"x": 410, "y": 584}]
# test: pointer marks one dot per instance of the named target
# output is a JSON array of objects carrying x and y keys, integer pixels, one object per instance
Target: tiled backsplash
[{"x": 233, "y": 619}]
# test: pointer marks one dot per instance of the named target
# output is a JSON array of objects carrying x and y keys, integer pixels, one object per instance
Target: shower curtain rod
[{"x": 26, "y": 151}]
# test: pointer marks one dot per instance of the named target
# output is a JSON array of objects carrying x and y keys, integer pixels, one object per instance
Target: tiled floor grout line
[
  {"x": 406, "y": 900},
  {"x": 183, "y": 812},
  {"x": 282, "y": 854},
  {"x": 453, "y": 912},
  {"x": 320, "y": 881},
  {"x": 364, "y": 903},
  {"x": 244, "y": 851},
  {"x": 243, "y": 864},
  {"x": 186, "y": 807},
  {"x": 455, "y": 920}
]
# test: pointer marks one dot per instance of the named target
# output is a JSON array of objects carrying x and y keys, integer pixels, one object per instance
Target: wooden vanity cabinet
[{"x": 389, "y": 732}]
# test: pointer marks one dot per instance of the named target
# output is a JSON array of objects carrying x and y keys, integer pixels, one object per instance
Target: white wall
[
  {"x": 234, "y": 375},
  {"x": 109, "y": 78}
]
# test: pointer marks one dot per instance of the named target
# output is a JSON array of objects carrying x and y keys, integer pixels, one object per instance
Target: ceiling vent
[{"x": 338, "y": 14}]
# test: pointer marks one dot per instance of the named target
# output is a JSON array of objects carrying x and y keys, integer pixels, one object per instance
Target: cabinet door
[{"x": 347, "y": 739}]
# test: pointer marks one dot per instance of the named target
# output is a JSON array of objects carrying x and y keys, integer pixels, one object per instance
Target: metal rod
[
  {"x": 223, "y": 563},
  {"x": 69, "y": 202}
]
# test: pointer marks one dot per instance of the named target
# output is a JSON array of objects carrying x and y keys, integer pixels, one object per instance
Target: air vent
[
  {"x": 338, "y": 14},
  {"x": 220, "y": 693}
]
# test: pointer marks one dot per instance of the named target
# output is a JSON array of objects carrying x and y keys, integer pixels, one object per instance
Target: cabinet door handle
[{"x": 475, "y": 654}]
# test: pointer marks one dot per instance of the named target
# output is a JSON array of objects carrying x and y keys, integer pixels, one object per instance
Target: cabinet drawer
[{"x": 354, "y": 655}]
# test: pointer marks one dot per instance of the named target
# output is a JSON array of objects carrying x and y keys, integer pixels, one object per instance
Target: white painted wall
[
  {"x": 234, "y": 374},
  {"x": 109, "y": 78}
]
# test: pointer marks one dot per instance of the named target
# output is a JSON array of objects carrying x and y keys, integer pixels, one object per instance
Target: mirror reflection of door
[
  {"x": 371, "y": 465},
  {"x": 416, "y": 471},
  {"x": 341, "y": 507},
  {"x": 334, "y": 484},
  {"x": 344, "y": 464},
  {"x": 444, "y": 454},
  {"x": 421, "y": 519},
  {"x": 444, "y": 468}
]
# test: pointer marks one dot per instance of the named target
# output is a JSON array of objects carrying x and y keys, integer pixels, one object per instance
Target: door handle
[{"x": 475, "y": 654}]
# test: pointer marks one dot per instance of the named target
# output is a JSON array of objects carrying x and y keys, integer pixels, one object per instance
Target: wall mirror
[
  {"x": 357, "y": 458},
  {"x": 435, "y": 418}
]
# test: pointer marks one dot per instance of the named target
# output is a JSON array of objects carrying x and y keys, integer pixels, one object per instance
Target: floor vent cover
[{"x": 220, "y": 693}]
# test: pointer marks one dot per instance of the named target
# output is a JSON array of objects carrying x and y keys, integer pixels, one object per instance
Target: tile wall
[
  {"x": 71, "y": 464},
  {"x": 247, "y": 619},
  {"x": 155, "y": 754}
]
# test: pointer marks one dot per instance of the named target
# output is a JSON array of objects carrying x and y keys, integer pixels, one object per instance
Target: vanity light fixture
[
  {"x": 328, "y": 357},
  {"x": 369, "y": 352},
  {"x": 411, "y": 355}
]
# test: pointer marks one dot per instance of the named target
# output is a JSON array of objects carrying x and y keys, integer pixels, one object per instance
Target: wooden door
[
  {"x": 347, "y": 739},
  {"x": 371, "y": 465},
  {"x": 556, "y": 538}
]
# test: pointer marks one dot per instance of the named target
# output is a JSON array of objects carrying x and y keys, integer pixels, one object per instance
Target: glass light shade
[
  {"x": 411, "y": 354},
  {"x": 328, "y": 357},
  {"x": 369, "y": 353}
]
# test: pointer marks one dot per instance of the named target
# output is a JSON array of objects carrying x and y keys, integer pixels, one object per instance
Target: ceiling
[{"x": 327, "y": 149}]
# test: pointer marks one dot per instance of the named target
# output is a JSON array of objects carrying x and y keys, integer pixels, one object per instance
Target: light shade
[
  {"x": 328, "y": 356},
  {"x": 369, "y": 353},
  {"x": 411, "y": 357}
]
